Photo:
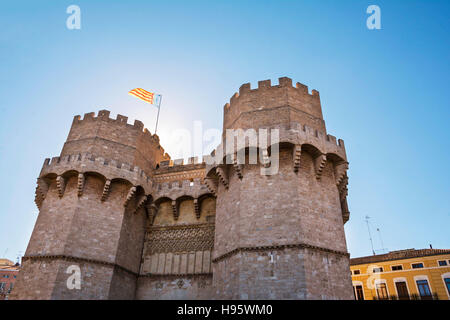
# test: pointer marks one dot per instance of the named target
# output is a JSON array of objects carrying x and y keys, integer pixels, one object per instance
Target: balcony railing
[{"x": 413, "y": 296}]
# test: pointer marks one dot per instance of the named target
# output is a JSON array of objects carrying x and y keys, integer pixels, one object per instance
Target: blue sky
[{"x": 385, "y": 92}]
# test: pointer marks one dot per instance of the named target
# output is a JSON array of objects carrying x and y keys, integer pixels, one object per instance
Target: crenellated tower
[
  {"x": 92, "y": 201},
  {"x": 280, "y": 235},
  {"x": 138, "y": 225}
]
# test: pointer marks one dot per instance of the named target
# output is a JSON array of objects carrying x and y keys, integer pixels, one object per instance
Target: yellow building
[{"x": 404, "y": 274}]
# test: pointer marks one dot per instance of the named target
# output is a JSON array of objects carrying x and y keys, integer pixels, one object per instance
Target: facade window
[
  {"x": 447, "y": 284},
  {"x": 356, "y": 272},
  {"x": 358, "y": 290},
  {"x": 442, "y": 263},
  {"x": 2, "y": 285},
  {"x": 382, "y": 291},
  {"x": 424, "y": 289},
  {"x": 417, "y": 265},
  {"x": 379, "y": 269},
  {"x": 396, "y": 268},
  {"x": 6, "y": 276},
  {"x": 402, "y": 290}
]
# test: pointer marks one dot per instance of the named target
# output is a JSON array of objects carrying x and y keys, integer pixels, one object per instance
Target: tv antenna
[
  {"x": 383, "y": 249},
  {"x": 370, "y": 236}
]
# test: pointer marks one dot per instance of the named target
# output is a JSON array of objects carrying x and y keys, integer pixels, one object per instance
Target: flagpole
[{"x": 157, "y": 117}]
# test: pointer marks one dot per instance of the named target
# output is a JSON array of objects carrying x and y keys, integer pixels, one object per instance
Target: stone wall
[
  {"x": 175, "y": 287},
  {"x": 176, "y": 260},
  {"x": 46, "y": 278},
  {"x": 92, "y": 215},
  {"x": 140, "y": 225},
  {"x": 294, "y": 216},
  {"x": 289, "y": 209},
  {"x": 102, "y": 237}
]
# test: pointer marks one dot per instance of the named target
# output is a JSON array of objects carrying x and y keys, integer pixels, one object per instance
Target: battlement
[
  {"x": 284, "y": 100},
  {"x": 176, "y": 189},
  {"x": 87, "y": 162},
  {"x": 115, "y": 139},
  {"x": 283, "y": 82},
  {"x": 104, "y": 115},
  {"x": 186, "y": 184},
  {"x": 326, "y": 139},
  {"x": 178, "y": 165}
]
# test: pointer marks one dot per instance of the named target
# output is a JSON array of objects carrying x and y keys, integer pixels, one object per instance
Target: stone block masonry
[{"x": 139, "y": 225}]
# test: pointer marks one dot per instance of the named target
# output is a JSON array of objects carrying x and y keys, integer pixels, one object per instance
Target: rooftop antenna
[
  {"x": 370, "y": 236},
  {"x": 381, "y": 240}
]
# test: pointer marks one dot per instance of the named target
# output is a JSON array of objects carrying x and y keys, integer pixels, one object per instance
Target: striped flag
[{"x": 148, "y": 97}]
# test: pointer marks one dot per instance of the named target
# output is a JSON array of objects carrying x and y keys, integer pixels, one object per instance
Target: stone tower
[
  {"x": 281, "y": 236},
  {"x": 137, "y": 225},
  {"x": 91, "y": 215}
]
